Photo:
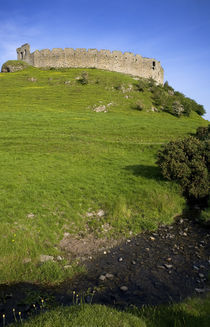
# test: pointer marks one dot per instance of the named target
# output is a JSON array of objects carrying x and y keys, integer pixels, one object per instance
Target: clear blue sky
[{"x": 176, "y": 32}]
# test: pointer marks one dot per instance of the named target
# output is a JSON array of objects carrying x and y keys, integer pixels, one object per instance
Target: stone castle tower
[{"x": 117, "y": 61}]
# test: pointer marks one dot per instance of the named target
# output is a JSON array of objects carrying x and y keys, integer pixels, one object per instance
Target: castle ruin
[{"x": 117, "y": 61}]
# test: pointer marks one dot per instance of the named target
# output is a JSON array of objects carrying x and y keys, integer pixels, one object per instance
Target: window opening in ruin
[
  {"x": 25, "y": 52},
  {"x": 153, "y": 65},
  {"x": 21, "y": 55}
]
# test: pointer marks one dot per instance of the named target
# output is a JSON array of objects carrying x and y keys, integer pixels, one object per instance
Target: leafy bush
[{"x": 186, "y": 161}]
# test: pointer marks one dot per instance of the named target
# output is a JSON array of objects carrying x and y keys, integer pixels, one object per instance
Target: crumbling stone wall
[{"x": 127, "y": 62}]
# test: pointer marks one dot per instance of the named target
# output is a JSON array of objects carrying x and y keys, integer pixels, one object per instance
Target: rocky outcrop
[{"x": 12, "y": 66}]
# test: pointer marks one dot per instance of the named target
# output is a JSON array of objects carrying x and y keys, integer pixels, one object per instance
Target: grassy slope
[
  {"x": 59, "y": 159},
  {"x": 191, "y": 313}
]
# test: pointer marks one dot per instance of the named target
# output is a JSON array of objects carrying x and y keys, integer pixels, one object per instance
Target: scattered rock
[
  {"x": 89, "y": 214},
  {"x": 67, "y": 82},
  {"x": 30, "y": 215},
  {"x": 133, "y": 262},
  {"x": 147, "y": 249},
  {"x": 32, "y": 79},
  {"x": 124, "y": 288},
  {"x": 201, "y": 275},
  {"x": 59, "y": 258},
  {"x": 168, "y": 266},
  {"x": 195, "y": 267},
  {"x": 67, "y": 267},
  {"x": 100, "y": 109},
  {"x": 66, "y": 234},
  {"x": 153, "y": 109},
  {"x": 45, "y": 258},
  {"x": 152, "y": 238},
  {"x": 109, "y": 276},
  {"x": 105, "y": 252},
  {"x": 120, "y": 259},
  {"x": 102, "y": 278},
  {"x": 100, "y": 213},
  {"x": 26, "y": 260}
]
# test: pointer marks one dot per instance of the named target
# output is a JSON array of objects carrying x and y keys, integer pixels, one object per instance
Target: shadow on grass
[
  {"x": 149, "y": 269},
  {"x": 151, "y": 172}
]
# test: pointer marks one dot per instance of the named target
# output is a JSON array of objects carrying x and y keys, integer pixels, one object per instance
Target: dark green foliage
[
  {"x": 141, "y": 85},
  {"x": 151, "y": 82},
  {"x": 173, "y": 102},
  {"x": 168, "y": 88},
  {"x": 203, "y": 133},
  {"x": 186, "y": 161}
]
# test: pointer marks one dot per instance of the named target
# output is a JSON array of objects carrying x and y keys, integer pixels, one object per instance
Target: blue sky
[{"x": 176, "y": 32}]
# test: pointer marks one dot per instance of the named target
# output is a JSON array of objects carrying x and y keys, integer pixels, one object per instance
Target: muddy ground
[{"x": 151, "y": 268}]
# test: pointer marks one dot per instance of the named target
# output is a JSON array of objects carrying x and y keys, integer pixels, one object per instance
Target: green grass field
[{"x": 59, "y": 160}]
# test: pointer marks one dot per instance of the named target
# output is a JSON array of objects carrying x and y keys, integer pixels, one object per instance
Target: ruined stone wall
[{"x": 127, "y": 62}]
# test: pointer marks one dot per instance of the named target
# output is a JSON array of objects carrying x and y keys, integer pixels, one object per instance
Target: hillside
[{"x": 66, "y": 168}]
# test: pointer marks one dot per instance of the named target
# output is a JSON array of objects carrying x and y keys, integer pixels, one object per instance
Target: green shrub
[
  {"x": 174, "y": 102},
  {"x": 186, "y": 161},
  {"x": 203, "y": 133}
]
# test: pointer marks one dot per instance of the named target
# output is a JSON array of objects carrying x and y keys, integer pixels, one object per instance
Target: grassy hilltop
[{"x": 62, "y": 162}]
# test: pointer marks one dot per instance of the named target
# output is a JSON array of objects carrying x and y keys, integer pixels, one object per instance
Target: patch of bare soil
[{"x": 85, "y": 247}]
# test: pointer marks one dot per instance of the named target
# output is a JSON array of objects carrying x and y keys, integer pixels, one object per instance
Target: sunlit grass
[{"x": 59, "y": 159}]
